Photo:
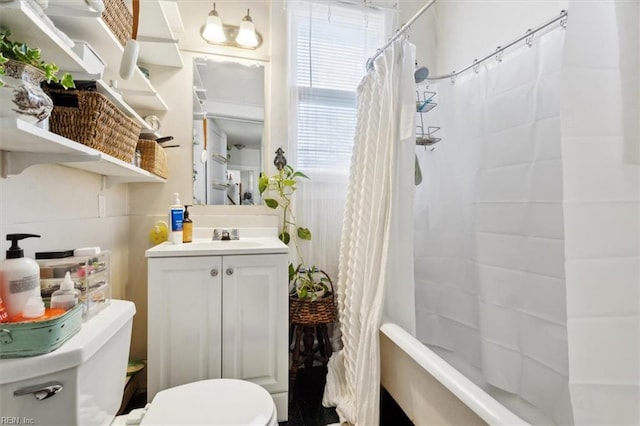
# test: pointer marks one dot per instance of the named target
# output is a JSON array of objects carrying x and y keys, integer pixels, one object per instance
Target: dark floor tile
[
  {"x": 138, "y": 400},
  {"x": 305, "y": 399},
  {"x": 390, "y": 412}
]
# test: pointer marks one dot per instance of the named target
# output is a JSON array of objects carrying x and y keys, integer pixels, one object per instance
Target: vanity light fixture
[
  {"x": 247, "y": 33},
  {"x": 245, "y": 36},
  {"x": 213, "y": 31}
]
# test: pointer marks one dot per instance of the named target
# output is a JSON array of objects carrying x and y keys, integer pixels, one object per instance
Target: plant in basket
[{"x": 306, "y": 283}]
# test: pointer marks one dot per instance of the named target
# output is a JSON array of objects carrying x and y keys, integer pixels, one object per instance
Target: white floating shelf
[
  {"x": 26, "y": 145},
  {"x": 26, "y": 26},
  {"x": 154, "y": 23},
  {"x": 138, "y": 92}
]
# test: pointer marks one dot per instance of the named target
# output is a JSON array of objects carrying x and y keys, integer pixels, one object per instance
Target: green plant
[
  {"x": 21, "y": 52},
  {"x": 309, "y": 283},
  {"x": 280, "y": 188}
]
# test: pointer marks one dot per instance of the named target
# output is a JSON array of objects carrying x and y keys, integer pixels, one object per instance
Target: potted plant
[
  {"x": 308, "y": 283},
  {"x": 21, "y": 72}
]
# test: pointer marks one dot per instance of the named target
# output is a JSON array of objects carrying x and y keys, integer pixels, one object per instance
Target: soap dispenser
[
  {"x": 176, "y": 214},
  {"x": 187, "y": 226},
  {"x": 19, "y": 276},
  {"x": 67, "y": 296}
]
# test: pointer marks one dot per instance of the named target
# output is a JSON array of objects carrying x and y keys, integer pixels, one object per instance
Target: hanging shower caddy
[{"x": 425, "y": 134}]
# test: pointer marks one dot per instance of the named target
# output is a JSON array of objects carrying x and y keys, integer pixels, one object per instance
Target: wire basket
[
  {"x": 117, "y": 17},
  {"x": 91, "y": 119},
  {"x": 153, "y": 157},
  {"x": 314, "y": 312}
]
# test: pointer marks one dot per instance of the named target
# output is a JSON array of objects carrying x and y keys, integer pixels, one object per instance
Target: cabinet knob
[
  {"x": 229, "y": 271},
  {"x": 214, "y": 272}
]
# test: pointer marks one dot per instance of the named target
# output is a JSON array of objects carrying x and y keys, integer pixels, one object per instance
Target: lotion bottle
[
  {"x": 175, "y": 220},
  {"x": 67, "y": 296},
  {"x": 19, "y": 277}
]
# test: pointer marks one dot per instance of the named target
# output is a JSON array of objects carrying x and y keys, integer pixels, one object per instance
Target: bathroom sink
[
  {"x": 208, "y": 247},
  {"x": 229, "y": 244}
]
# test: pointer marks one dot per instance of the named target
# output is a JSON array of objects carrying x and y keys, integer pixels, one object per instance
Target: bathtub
[{"x": 429, "y": 390}]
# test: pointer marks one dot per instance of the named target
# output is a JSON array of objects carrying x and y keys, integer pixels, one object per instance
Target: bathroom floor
[{"x": 305, "y": 404}]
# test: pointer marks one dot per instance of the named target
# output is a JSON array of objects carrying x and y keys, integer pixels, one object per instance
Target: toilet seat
[{"x": 212, "y": 402}]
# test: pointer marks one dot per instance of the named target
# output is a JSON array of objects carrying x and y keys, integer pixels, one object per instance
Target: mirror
[{"x": 228, "y": 131}]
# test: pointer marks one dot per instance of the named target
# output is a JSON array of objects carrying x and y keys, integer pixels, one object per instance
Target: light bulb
[
  {"x": 247, "y": 33},
  {"x": 213, "y": 31}
]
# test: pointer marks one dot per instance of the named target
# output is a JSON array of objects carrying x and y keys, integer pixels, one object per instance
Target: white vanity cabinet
[{"x": 212, "y": 316}]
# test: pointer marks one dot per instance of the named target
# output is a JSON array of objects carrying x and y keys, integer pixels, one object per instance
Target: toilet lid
[{"x": 211, "y": 402}]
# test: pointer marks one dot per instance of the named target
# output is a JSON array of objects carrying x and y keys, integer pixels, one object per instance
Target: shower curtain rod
[
  {"x": 500, "y": 49},
  {"x": 398, "y": 33}
]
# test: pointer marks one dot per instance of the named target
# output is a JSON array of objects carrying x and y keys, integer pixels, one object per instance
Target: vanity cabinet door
[
  {"x": 255, "y": 319},
  {"x": 184, "y": 321}
]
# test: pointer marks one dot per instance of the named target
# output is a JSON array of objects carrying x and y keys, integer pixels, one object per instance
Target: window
[{"x": 329, "y": 45}]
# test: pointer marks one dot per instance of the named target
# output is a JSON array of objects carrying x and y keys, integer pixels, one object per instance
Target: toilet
[{"x": 82, "y": 383}]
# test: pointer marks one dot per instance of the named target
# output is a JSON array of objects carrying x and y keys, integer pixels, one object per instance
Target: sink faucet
[{"x": 225, "y": 234}]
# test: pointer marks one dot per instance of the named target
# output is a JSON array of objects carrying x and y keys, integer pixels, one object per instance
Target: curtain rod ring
[
  {"x": 563, "y": 21},
  {"x": 529, "y": 39}
]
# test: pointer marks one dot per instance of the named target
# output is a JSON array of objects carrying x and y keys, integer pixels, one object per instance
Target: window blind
[{"x": 330, "y": 46}]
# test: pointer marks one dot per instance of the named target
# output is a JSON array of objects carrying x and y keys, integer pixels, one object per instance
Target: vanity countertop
[{"x": 207, "y": 247}]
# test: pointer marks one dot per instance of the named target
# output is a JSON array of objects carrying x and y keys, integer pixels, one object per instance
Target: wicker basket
[
  {"x": 117, "y": 17},
  {"x": 91, "y": 119},
  {"x": 319, "y": 311},
  {"x": 154, "y": 157}
]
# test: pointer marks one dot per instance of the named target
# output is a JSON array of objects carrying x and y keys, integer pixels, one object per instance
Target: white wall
[
  {"x": 61, "y": 205},
  {"x": 453, "y": 32}
]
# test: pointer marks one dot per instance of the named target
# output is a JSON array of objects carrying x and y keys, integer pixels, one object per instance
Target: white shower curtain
[
  {"x": 600, "y": 157},
  {"x": 489, "y": 233},
  {"x": 381, "y": 162}
]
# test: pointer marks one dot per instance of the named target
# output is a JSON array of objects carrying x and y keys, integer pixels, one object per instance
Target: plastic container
[
  {"x": 90, "y": 274},
  {"x": 67, "y": 297},
  {"x": 176, "y": 217},
  {"x": 19, "y": 277}
]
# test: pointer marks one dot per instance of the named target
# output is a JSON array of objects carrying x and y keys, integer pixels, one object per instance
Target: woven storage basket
[
  {"x": 94, "y": 121},
  {"x": 154, "y": 157},
  {"x": 319, "y": 311},
  {"x": 117, "y": 17}
]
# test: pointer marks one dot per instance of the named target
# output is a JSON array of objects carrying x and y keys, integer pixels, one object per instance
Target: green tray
[{"x": 25, "y": 339}]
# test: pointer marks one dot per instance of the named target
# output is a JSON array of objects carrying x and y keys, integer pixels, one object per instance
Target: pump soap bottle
[
  {"x": 19, "y": 276},
  {"x": 187, "y": 226},
  {"x": 175, "y": 220}
]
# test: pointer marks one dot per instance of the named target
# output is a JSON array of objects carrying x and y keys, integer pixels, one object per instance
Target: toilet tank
[{"x": 91, "y": 368}]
